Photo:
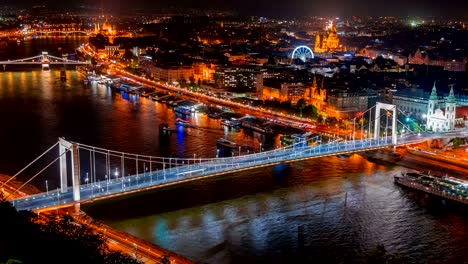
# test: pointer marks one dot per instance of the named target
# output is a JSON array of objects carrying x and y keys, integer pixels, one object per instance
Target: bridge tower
[
  {"x": 45, "y": 60},
  {"x": 387, "y": 107},
  {"x": 75, "y": 171}
]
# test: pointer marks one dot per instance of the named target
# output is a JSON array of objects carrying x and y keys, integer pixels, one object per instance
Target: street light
[
  {"x": 107, "y": 183},
  {"x": 47, "y": 187}
]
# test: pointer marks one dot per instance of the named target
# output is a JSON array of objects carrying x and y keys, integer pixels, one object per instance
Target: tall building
[
  {"x": 328, "y": 41},
  {"x": 317, "y": 95}
]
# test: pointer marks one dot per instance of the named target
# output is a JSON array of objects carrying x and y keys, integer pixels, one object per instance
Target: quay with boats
[{"x": 445, "y": 187}]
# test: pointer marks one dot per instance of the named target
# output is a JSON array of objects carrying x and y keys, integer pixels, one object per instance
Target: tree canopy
[{"x": 58, "y": 239}]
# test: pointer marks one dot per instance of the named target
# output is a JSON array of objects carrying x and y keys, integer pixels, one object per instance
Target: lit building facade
[
  {"x": 203, "y": 71},
  {"x": 345, "y": 104},
  {"x": 448, "y": 118},
  {"x": 239, "y": 78},
  {"x": 284, "y": 91},
  {"x": 171, "y": 73},
  {"x": 422, "y": 57},
  {"x": 316, "y": 95},
  {"x": 414, "y": 102}
]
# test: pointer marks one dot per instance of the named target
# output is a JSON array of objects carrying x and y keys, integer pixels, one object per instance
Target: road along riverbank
[
  {"x": 418, "y": 160},
  {"x": 118, "y": 240}
]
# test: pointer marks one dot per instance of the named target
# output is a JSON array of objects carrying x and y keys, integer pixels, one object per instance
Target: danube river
[{"x": 320, "y": 211}]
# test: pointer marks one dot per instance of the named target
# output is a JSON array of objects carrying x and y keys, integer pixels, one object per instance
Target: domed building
[
  {"x": 328, "y": 41},
  {"x": 105, "y": 30}
]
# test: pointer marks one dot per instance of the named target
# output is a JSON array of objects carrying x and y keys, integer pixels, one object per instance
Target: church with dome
[{"x": 328, "y": 41}]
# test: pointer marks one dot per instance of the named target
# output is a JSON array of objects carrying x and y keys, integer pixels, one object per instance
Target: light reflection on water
[
  {"x": 334, "y": 209},
  {"x": 331, "y": 208}
]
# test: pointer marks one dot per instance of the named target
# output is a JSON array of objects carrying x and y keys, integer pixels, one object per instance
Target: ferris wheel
[{"x": 303, "y": 53}]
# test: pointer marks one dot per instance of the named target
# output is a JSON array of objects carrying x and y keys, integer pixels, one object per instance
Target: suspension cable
[
  {"x": 40, "y": 156},
  {"x": 43, "y": 169}
]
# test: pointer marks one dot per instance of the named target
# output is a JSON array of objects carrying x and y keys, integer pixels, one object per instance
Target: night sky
[{"x": 289, "y": 8}]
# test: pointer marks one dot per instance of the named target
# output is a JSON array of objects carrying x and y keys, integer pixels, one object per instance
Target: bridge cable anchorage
[
  {"x": 27, "y": 166},
  {"x": 43, "y": 169}
]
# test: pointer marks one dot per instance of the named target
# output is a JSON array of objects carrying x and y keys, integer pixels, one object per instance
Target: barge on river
[{"x": 446, "y": 187}]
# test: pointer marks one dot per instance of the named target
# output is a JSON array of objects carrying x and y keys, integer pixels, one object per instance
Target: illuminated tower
[
  {"x": 332, "y": 41},
  {"x": 433, "y": 99},
  {"x": 317, "y": 45},
  {"x": 450, "y": 107}
]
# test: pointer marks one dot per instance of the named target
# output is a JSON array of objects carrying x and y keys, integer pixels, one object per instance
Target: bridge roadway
[{"x": 197, "y": 169}]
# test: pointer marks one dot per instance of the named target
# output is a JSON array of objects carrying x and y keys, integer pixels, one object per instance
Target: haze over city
[{"x": 280, "y": 8}]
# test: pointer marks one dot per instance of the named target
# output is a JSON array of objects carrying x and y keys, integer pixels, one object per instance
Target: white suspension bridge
[
  {"x": 45, "y": 60},
  {"x": 110, "y": 173}
]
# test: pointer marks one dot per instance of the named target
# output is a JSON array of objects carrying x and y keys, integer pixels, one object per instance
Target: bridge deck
[{"x": 197, "y": 170}]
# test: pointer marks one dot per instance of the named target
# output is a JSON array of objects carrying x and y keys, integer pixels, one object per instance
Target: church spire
[
  {"x": 451, "y": 97},
  {"x": 333, "y": 28},
  {"x": 434, "y": 93}
]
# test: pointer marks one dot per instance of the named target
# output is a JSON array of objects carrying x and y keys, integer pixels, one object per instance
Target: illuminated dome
[{"x": 107, "y": 26}]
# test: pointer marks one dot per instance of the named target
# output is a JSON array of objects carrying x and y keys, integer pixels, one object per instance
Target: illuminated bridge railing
[{"x": 199, "y": 168}]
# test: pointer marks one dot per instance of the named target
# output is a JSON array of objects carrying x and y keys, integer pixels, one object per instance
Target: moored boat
[
  {"x": 226, "y": 143},
  {"x": 230, "y": 123},
  {"x": 446, "y": 187},
  {"x": 257, "y": 127},
  {"x": 182, "y": 110}
]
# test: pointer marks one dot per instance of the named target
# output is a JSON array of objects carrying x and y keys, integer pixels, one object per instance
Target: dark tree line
[{"x": 26, "y": 238}]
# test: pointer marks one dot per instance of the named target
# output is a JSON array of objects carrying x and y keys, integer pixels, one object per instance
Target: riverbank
[
  {"x": 116, "y": 239},
  {"x": 140, "y": 249},
  {"x": 420, "y": 160},
  {"x": 10, "y": 189}
]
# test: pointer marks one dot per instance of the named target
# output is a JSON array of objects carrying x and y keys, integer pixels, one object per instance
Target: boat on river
[
  {"x": 226, "y": 143},
  {"x": 182, "y": 122},
  {"x": 265, "y": 129},
  {"x": 446, "y": 187},
  {"x": 230, "y": 122},
  {"x": 182, "y": 110}
]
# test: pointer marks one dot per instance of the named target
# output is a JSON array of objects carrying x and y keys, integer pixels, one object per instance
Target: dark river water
[{"x": 320, "y": 211}]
